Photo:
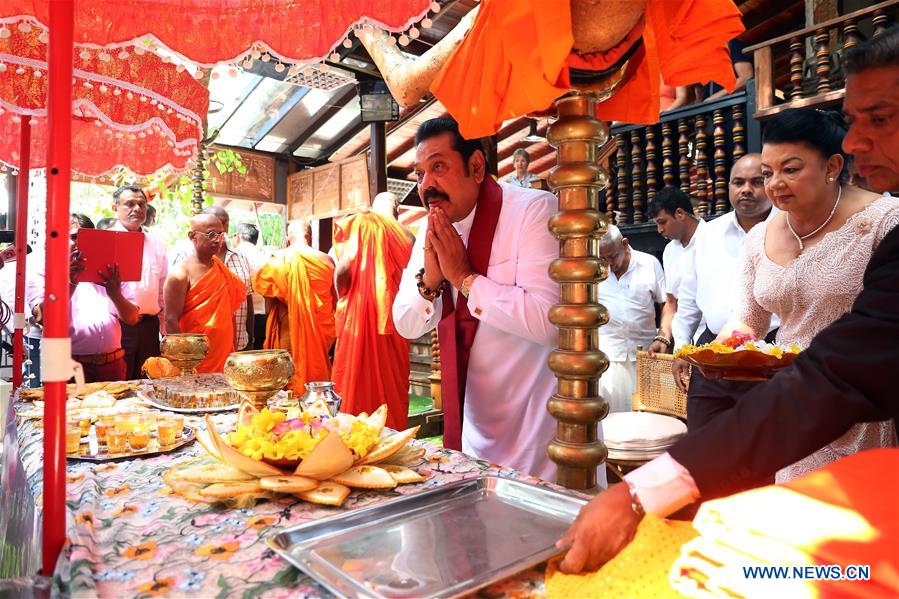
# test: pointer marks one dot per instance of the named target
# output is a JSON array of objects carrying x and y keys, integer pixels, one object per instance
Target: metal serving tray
[
  {"x": 151, "y": 399},
  {"x": 92, "y": 451},
  {"x": 445, "y": 542}
]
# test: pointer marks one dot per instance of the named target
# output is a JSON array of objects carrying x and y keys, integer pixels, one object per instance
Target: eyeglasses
[{"x": 210, "y": 234}]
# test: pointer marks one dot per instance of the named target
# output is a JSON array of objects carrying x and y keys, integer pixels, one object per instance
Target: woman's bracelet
[{"x": 427, "y": 293}]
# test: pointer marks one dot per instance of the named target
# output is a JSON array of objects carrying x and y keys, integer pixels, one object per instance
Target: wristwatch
[{"x": 467, "y": 282}]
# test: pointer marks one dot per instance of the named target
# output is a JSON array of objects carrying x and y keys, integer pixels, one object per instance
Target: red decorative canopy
[
  {"x": 209, "y": 32},
  {"x": 129, "y": 107}
]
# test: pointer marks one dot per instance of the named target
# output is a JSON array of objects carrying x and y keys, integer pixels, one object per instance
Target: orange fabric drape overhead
[
  {"x": 303, "y": 282},
  {"x": 516, "y": 59},
  {"x": 209, "y": 308},
  {"x": 371, "y": 361}
]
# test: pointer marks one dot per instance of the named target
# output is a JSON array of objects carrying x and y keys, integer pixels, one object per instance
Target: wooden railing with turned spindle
[
  {"x": 786, "y": 76},
  {"x": 699, "y": 143}
]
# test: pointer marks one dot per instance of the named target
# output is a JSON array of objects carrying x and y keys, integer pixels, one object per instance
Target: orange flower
[
  {"x": 85, "y": 518},
  {"x": 141, "y": 552},
  {"x": 260, "y": 522},
  {"x": 116, "y": 491},
  {"x": 157, "y": 587},
  {"x": 74, "y": 478},
  {"x": 222, "y": 552},
  {"x": 125, "y": 510}
]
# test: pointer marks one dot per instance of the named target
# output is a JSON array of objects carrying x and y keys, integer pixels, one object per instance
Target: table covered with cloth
[{"x": 128, "y": 535}]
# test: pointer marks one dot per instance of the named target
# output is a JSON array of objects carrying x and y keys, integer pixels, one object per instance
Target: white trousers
[{"x": 618, "y": 384}]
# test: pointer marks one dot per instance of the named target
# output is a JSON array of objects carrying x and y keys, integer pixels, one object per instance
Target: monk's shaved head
[
  {"x": 219, "y": 213},
  {"x": 299, "y": 232},
  {"x": 385, "y": 204},
  {"x": 203, "y": 222}
]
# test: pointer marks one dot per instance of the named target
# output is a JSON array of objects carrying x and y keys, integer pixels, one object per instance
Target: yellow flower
[
  {"x": 141, "y": 552},
  {"x": 157, "y": 587},
  {"x": 361, "y": 438},
  {"x": 221, "y": 552}
]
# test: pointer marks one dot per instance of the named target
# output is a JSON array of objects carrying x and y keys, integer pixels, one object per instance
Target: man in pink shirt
[{"x": 95, "y": 313}]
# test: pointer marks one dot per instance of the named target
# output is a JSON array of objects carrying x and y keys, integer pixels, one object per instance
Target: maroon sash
[{"x": 457, "y": 327}]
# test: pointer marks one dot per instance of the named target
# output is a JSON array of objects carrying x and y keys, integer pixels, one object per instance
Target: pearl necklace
[{"x": 824, "y": 224}]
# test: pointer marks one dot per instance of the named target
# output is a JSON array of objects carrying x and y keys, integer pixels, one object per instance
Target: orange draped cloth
[
  {"x": 844, "y": 514},
  {"x": 516, "y": 60},
  {"x": 302, "y": 282},
  {"x": 209, "y": 308},
  {"x": 371, "y": 362}
]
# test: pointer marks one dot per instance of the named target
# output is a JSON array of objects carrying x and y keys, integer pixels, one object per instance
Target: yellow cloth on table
[
  {"x": 845, "y": 514},
  {"x": 640, "y": 570}
]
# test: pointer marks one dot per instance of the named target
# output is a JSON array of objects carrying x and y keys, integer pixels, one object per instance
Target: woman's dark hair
[
  {"x": 83, "y": 221},
  {"x": 819, "y": 129},
  {"x": 669, "y": 199}
]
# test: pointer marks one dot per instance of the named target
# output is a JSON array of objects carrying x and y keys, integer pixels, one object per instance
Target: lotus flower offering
[
  {"x": 740, "y": 357},
  {"x": 307, "y": 453}
]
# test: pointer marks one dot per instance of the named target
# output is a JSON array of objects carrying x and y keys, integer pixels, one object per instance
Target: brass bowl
[
  {"x": 185, "y": 350},
  {"x": 259, "y": 374}
]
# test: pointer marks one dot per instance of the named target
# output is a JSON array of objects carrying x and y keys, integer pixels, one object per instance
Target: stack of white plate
[{"x": 640, "y": 436}]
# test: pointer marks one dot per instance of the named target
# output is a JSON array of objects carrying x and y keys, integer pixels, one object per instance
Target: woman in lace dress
[{"x": 806, "y": 263}]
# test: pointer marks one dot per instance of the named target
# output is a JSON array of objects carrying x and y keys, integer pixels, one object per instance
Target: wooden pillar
[
  {"x": 612, "y": 187},
  {"x": 637, "y": 175},
  {"x": 720, "y": 158},
  {"x": 434, "y": 377},
  {"x": 621, "y": 166},
  {"x": 739, "y": 132},
  {"x": 702, "y": 167},
  {"x": 667, "y": 155},
  {"x": 796, "y": 58},
  {"x": 851, "y": 36},
  {"x": 822, "y": 60},
  {"x": 881, "y": 21},
  {"x": 683, "y": 156},
  {"x": 377, "y": 162},
  {"x": 652, "y": 173},
  {"x": 325, "y": 234}
]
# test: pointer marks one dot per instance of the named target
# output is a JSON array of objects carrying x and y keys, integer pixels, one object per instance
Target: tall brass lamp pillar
[{"x": 578, "y": 363}]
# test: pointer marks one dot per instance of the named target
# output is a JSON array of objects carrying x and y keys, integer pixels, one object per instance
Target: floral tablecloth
[{"x": 128, "y": 535}]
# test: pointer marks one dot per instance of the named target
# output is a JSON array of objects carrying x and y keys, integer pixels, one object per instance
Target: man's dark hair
[
  {"x": 118, "y": 192},
  {"x": 822, "y": 130},
  {"x": 83, "y": 221},
  {"x": 879, "y": 51},
  {"x": 247, "y": 232},
  {"x": 669, "y": 199},
  {"x": 466, "y": 147},
  {"x": 106, "y": 223}
]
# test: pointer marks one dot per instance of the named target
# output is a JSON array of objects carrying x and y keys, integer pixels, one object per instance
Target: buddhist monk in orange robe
[
  {"x": 298, "y": 284},
  {"x": 201, "y": 294},
  {"x": 371, "y": 362}
]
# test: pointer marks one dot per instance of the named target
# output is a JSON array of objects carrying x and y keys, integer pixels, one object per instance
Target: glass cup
[
  {"x": 73, "y": 438},
  {"x": 101, "y": 428},
  {"x": 179, "y": 425},
  {"x": 126, "y": 422},
  {"x": 115, "y": 440},
  {"x": 149, "y": 420},
  {"x": 84, "y": 423},
  {"x": 167, "y": 429},
  {"x": 139, "y": 438}
]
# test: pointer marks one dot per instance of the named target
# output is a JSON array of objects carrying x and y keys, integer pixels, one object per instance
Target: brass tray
[
  {"x": 151, "y": 399},
  {"x": 92, "y": 451}
]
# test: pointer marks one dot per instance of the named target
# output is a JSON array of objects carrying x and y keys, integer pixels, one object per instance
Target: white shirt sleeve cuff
[
  {"x": 424, "y": 309},
  {"x": 481, "y": 296},
  {"x": 663, "y": 486}
]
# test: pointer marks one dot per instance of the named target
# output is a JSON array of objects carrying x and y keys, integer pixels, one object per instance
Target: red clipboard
[{"x": 99, "y": 248}]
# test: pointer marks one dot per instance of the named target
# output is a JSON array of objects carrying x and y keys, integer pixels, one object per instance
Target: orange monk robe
[
  {"x": 517, "y": 56},
  {"x": 371, "y": 362},
  {"x": 209, "y": 308},
  {"x": 302, "y": 283}
]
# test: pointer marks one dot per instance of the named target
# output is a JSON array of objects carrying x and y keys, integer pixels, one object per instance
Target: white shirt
[
  {"x": 631, "y": 301},
  {"x": 525, "y": 182},
  {"x": 711, "y": 278},
  {"x": 509, "y": 381},
  {"x": 8, "y": 293},
  {"x": 673, "y": 258},
  {"x": 256, "y": 259},
  {"x": 148, "y": 292}
]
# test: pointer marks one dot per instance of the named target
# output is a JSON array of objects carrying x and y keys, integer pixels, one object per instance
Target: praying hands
[{"x": 445, "y": 253}]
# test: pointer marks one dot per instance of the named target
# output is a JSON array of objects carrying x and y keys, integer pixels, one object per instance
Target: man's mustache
[{"x": 432, "y": 193}]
